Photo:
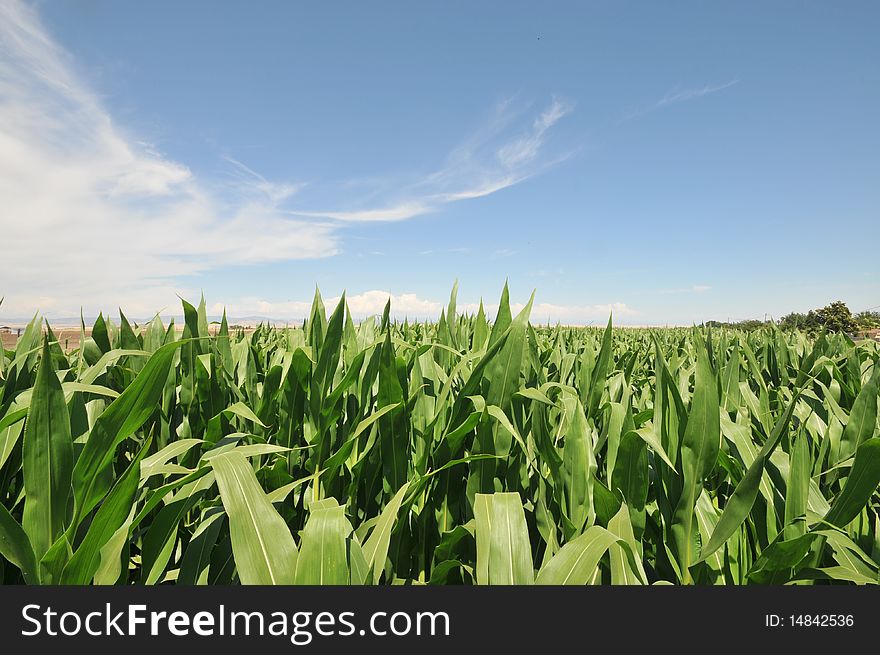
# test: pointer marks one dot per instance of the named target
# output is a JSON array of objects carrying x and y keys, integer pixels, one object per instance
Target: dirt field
[
  {"x": 8, "y": 340},
  {"x": 69, "y": 337}
]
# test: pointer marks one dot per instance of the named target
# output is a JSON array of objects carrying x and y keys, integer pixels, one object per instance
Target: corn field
[{"x": 461, "y": 451}]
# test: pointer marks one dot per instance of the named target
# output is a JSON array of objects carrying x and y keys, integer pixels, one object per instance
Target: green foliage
[
  {"x": 808, "y": 322},
  {"x": 867, "y": 320},
  {"x": 458, "y": 452},
  {"x": 835, "y": 317},
  {"x": 747, "y": 325}
]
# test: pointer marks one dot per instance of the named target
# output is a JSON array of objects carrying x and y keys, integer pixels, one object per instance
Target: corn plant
[{"x": 460, "y": 451}]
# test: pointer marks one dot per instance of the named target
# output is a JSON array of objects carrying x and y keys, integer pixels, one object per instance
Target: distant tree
[
  {"x": 798, "y": 321},
  {"x": 747, "y": 325},
  {"x": 836, "y": 317},
  {"x": 793, "y": 321},
  {"x": 750, "y": 324},
  {"x": 867, "y": 320}
]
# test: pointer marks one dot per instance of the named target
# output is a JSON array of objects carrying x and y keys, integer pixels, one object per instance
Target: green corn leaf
[
  {"x": 47, "y": 460},
  {"x": 264, "y": 550}
]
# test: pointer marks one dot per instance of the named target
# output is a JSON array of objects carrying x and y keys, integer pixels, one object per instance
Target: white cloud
[
  {"x": 414, "y": 306},
  {"x": 404, "y": 304},
  {"x": 94, "y": 217},
  {"x": 361, "y": 305},
  {"x": 399, "y": 212}
]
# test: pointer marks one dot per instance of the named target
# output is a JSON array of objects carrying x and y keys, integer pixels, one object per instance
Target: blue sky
[{"x": 669, "y": 162}]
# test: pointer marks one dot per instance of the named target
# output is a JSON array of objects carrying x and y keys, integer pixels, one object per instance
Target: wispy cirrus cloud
[
  {"x": 459, "y": 250},
  {"x": 695, "y": 288},
  {"x": 688, "y": 94},
  {"x": 525, "y": 148},
  {"x": 504, "y": 152},
  {"x": 678, "y": 95},
  {"x": 249, "y": 181}
]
